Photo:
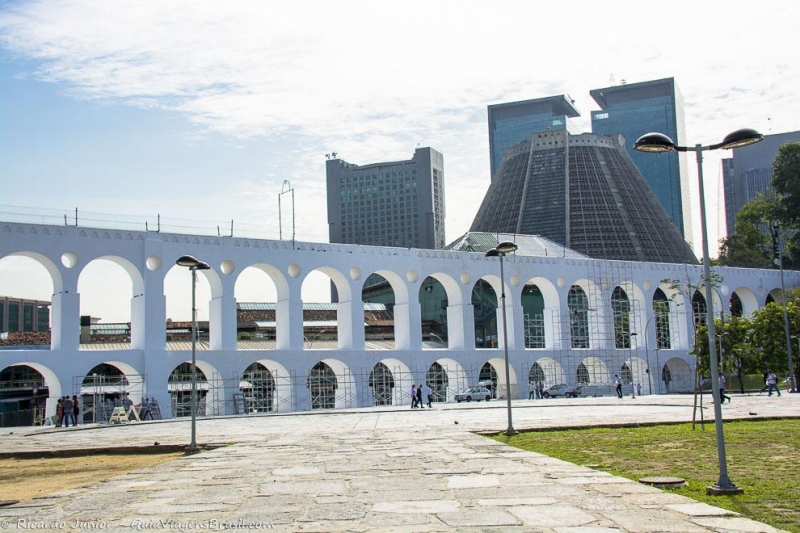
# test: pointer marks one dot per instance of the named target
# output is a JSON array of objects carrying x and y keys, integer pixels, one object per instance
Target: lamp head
[
  {"x": 202, "y": 265},
  {"x": 492, "y": 253},
  {"x": 654, "y": 143},
  {"x": 739, "y": 138},
  {"x": 187, "y": 261}
]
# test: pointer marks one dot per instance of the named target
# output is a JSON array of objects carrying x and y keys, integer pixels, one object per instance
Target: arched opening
[
  {"x": 661, "y": 312},
  {"x": 488, "y": 378},
  {"x": 578, "y": 305},
  {"x": 179, "y": 386},
  {"x": 699, "y": 309},
  {"x": 108, "y": 385},
  {"x": 322, "y": 385},
  {"x": 582, "y": 375},
  {"x": 106, "y": 296},
  {"x": 324, "y": 313},
  {"x": 533, "y": 311},
  {"x": 484, "y": 305},
  {"x": 676, "y": 376},
  {"x": 258, "y": 387},
  {"x": 178, "y": 298},
  {"x": 433, "y": 304},
  {"x": 735, "y": 305},
  {"x": 23, "y": 396},
  {"x": 625, "y": 374},
  {"x": 256, "y": 308},
  {"x": 381, "y": 382},
  {"x": 621, "y": 314},
  {"x": 378, "y": 297},
  {"x": 436, "y": 378},
  {"x": 26, "y": 292}
]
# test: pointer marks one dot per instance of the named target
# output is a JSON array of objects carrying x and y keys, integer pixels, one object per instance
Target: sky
[{"x": 200, "y": 111}]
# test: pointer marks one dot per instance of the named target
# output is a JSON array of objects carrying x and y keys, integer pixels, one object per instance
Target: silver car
[{"x": 474, "y": 393}]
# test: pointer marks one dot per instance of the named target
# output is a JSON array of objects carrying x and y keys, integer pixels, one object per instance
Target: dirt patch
[{"x": 25, "y": 479}]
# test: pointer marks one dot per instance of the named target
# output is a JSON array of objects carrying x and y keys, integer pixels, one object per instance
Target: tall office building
[
  {"x": 749, "y": 172},
  {"x": 584, "y": 192},
  {"x": 634, "y": 109},
  {"x": 399, "y": 203},
  {"x": 514, "y": 122}
]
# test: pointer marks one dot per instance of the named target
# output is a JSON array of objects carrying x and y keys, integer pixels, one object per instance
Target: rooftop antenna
[{"x": 285, "y": 188}]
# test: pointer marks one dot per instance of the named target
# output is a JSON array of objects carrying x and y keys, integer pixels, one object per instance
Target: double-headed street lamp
[
  {"x": 501, "y": 250},
  {"x": 657, "y": 143},
  {"x": 193, "y": 264}
]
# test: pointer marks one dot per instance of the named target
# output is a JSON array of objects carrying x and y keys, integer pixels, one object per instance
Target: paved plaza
[{"x": 379, "y": 469}]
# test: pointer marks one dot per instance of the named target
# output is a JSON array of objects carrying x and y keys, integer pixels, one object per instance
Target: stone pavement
[{"x": 379, "y": 469}]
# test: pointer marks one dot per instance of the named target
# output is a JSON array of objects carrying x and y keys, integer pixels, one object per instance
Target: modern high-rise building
[
  {"x": 399, "y": 203},
  {"x": 633, "y": 109},
  {"x": 749, "y": 172},
  {"x": 514, "y": 122},
  {"x": 584, "y": 192}
]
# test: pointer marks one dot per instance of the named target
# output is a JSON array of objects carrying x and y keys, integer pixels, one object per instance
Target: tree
[
  {"x": 786, "y": 182},
  {"x": 737, "y": 355},
  {"x": 750, "y": 245},
  {"x": 769, "y": 334}
]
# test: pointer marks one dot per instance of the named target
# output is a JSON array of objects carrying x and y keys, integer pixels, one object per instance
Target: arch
[
  {"x": 260, "y": 291},
  {"x": 578, "y": 305},
  {"x": 330, "y": 385},
  {"x": 636, "y": 370},
  {"x": 105, "y": 386},
  {"x": 379, "y": 324},
  {"x": 621, "y": 315},
  {"x": 747, "y": 299},
  {"x": 433, "y": 303},
  {"x": 594, "y": 370},
  {"x": 107, "y": 286},
  {"x": 494, "y": 370},
  {"x": 484, "y": 311},
  {"x": 282, "y": 393},
  {"x": 333, "y": 327},
  {"x": 446, "y": 377},
  {"x": 28, "y": 393},
  {"x": 258, "y": 387},
  {"x": 699, "y": 309},
  {"x": 381, "y": 383},
  {"x": 552, "y": 371},
  {"x": 675, "y": 376},
  {"x": 402, "y": 378},
  {"x": 52, "y": 269},
  {"x": 661, "y": 311},
  {"x": 209, "y": 386},
  {"x": 735, "y": 305},
  {"x": 538, "y": 324}
]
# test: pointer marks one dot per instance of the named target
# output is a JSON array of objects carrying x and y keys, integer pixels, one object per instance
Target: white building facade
[{"x": 147, "y": 257}]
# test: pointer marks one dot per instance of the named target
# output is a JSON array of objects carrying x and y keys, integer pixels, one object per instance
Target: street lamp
[
  {"x": 658, "y": 143},
  {"x": 633, "y": 377},
  {"x": 719, "y": 339},
  {"x": 500, "y": 251},
  {"x": 779, "y": 261},
  {"x": 193, "y": 264},
  {"x": 647, "y": 354}
]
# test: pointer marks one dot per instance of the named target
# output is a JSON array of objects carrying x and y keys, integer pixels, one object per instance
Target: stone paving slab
[{"x": 378, "y": 470}]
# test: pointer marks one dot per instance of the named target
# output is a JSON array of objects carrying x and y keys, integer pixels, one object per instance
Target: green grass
[{"x": 763, "y": 459}]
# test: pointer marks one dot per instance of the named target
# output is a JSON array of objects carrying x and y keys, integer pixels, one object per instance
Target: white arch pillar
[
  {"x": 460, "y": 327},
  {"x": 350, "y": 315},
  {"x": 222, "y": 316},
  {"x": 66, "y": 320},
  {"x": 407, "y": 327},
  {"x": 289, "y": 322}
]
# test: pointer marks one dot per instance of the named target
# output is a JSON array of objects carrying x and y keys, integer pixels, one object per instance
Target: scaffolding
[{"x": 100, "y": 393}]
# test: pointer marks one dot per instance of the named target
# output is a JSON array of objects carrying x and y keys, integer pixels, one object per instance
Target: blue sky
[{"x": 199, "y": 111}]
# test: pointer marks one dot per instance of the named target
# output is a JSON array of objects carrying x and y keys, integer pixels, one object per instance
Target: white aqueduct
[{"x": 147, "y": 257}]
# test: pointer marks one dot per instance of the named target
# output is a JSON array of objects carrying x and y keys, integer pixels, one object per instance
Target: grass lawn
[{"x": 763, "y": 459}]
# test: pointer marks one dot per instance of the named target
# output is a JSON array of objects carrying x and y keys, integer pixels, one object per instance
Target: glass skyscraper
[
  {"x": 634, "y": 109},
  {"x": 514, "y": 122}
]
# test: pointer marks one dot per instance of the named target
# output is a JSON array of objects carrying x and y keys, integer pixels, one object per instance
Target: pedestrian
[
  {"x": 419, "y": 397},
  {"x": 76, "y": 408},
  {"x": 722, "y": 395},
  {"x": 618, "y": 385},
  {"x": 68, "y": 412},
  {"x": 539, "y": 388},
  {"x": 59, "y": 412},
  {"x": 532, "y": 392},
  {"x": 772, "y": 382},
  {"x": 413, "y": 396},
  {"x": 766, "y": 386},
  {"x": 146, "y": 409},
  {"x": 639, "y": 388},
  {"x": 429, "y": 395}
]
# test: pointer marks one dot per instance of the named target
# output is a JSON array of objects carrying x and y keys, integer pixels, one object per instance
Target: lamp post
[
  {"x": 647, "y": 354},
  {"x": 719, "y": 339},
  {"x": 193, "y": 264},
  {"x": 633, "y": 378},
  {"x": 658, "y": 143},
  {"x": 500, "y": 251},
  {"x": 779, "y": 261}
]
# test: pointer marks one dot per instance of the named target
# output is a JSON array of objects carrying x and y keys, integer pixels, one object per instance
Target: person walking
[
  {"x": 429, "y": 396},
  {"x": 722, "y": 395},
  {"x": 772, "y": 383},
  {"x": 59, "y": 412},
  {"x": 618, "y": 385},
  {"x": 419, "y": 397},
  {"x": 413, "y": 396},
  {"x": 146, "y": 409},
  {"x": 539, "y": 388}
]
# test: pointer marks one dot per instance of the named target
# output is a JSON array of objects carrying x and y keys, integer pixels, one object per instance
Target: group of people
[
  {"x": 67, "y": 410},
  {"x": 535, "y": 392},
  {"x": 417, "y": 394}
]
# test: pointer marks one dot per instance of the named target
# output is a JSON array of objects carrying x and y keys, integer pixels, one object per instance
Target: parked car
[
  {"x": 562, "y": 390},
  {"x": 474, "y": 393}
]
